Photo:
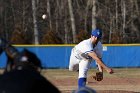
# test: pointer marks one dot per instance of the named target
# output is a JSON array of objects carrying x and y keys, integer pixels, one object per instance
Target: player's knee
[
  {"x": 70, "y": 69},
  {"x": 74, "y": 67}
]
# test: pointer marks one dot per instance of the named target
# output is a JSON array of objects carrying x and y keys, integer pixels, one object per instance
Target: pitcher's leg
[
  {"x": 83, "y": 69},
  {"x": 73, "y": 63}
]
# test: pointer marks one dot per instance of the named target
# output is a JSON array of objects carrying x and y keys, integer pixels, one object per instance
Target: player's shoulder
[
  {"x": 99, "y": 45},
  {"x": 83, "y": 45},
  {"x": 86, "y": 41}
]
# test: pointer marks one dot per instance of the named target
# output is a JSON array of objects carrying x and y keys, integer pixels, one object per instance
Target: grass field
[{"x": 124, "y": 80}]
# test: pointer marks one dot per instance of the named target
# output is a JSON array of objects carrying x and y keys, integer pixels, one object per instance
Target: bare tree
[
  {"x": 94, "y": 14},
  {"x": 116, "y": 14},
  {"x": 119, "y": 19},
  {"x": 86, "y": 13},
  {"x": 124, "y": 19},
  {"x": 36, "y": 41},
  {"x": 72, "y": 21},
  {"x": 65, "y": 23},
  {"x": 137, "y": 6},
  {"x": 49, "y": 14}
]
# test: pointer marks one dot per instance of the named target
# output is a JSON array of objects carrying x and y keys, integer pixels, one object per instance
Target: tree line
[{"x": 69, "y": 21}]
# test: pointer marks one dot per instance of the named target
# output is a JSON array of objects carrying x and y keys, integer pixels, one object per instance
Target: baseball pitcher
[{"x": 83, "y": 54}]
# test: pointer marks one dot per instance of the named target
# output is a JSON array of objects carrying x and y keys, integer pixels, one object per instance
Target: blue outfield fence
[{"x": 57, "y": 56}]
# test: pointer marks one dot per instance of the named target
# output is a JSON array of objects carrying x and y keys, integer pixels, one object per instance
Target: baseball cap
[{"x": 97, "y": 33}]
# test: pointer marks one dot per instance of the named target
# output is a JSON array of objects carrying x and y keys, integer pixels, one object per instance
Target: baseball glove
[{"x": 99, "y": 76}]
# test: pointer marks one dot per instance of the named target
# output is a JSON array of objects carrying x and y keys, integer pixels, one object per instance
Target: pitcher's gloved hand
[
  {"x": 111, "y": 71},
  {"x": 99, "y": 76}
]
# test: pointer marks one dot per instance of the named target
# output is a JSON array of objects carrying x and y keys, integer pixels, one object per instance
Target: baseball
[{"x": 44, "y": 16}]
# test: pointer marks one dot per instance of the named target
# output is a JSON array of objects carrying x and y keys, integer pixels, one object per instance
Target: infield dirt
[{"x": 124, "y": 80}]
